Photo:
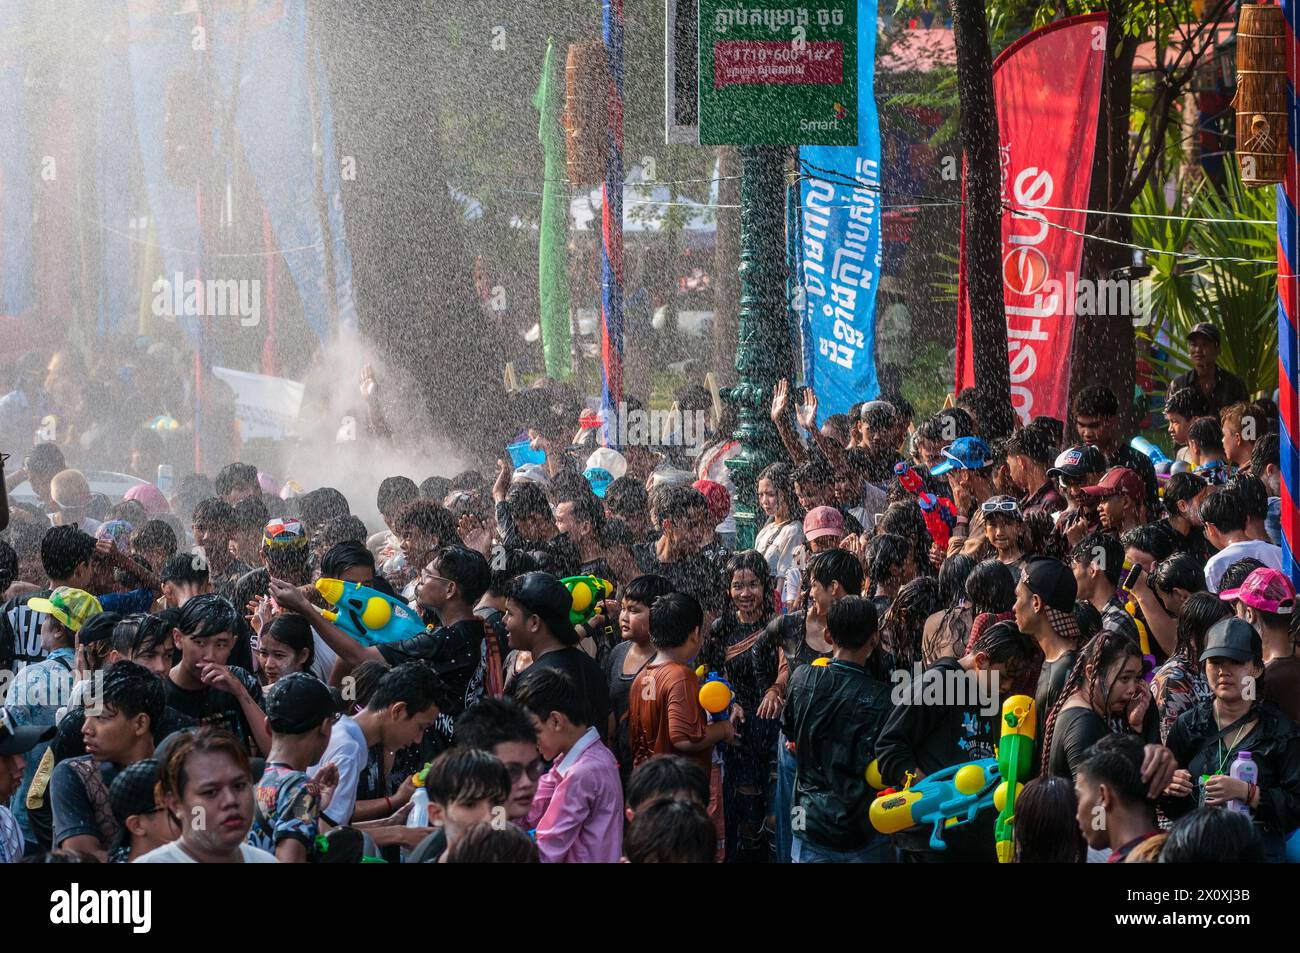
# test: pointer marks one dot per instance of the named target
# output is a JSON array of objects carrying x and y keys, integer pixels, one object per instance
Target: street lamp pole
[{"x": 764, "y": 351}]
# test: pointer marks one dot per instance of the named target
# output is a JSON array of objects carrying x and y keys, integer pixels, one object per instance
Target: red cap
[
  {"x": 1117, "y": 481},
  {"x": 823, "y": 521},
  {"x": 716, "y": 497}
]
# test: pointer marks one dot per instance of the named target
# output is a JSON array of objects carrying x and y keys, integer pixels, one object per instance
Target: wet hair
[
  {"x": 672, "y": 619},
  {"x": 781, "y": 476},
  {"x": 493, "y": 721},
  {"x": 1225, "y": 509},
  {"x": 646, "y": 589},
  {"x": 1252, "y": 493},
  {"x": 526, "y": 500},
  {"x": 663, "y": 777},
  {"x": 394, "y": 492},
  {"x": 816, "y": 472},
  {"x": 365, "y": 679},
  {"x": 852, "y": 622},
  {"x": 904, "y": 518},
  {"x": 63, "y": 549},
  {"x": 904, "y": 622},
  {"x": 1085, "y": 553},
  {"x": 95, "y": 639},
  {"x": 1199, "y": 614},
  {"x": 1095, "y": 660},
  {"x": 1154, "y": 538},
  {"x": 130, "y": 689},
  {"x": 184, "y": 567},
  {"x": 547, "y": 690},
  {"x": 466, "y": 775},
  {"x": 341, "y": 557},
  {"x": 341, "y": 529},
  {"x": 678, "y": 502},
  {"x": 435, "y": 487},
  {"x": 1236, "y": 573},
  {"x": 1096, "y": 400},
  {"x": 295, "y": 632},
  {"x": 1004, "y": 644},
  {"x": 140, "y": 633},
  {"x": 485, "y": 844},
  {"x": 1207, "y": 432},
  {"x": 466, "y": 568},
  {"x": 1182, "y": 488},
  {"x": 207, "y": 615},
  {"x": 234, "y": 475},
  {"x": 321, "y": 505},
  {"x": 1186, "y": 402},
  {"x": 45, "y": 458},
  {"x": 1179, "y": 571},
  {"x": 427, "y": 517},
  {"x": 1211, "y": 835},
  {"x": 991, "y": 587},
  {"x": 837, "y": 565},
  {"x": 952, "y": 579},
  {"x": 1046, "y": 828},
  {"x": 946, "y": 426},
  {"x": 132, "y": 511},
  {"x": 626, "y": 497},
  {"x": 416, "y": 684},
  {"x": 172, "y": 776},
  {"x": 1116, "y": 761},
  {"x": 1087, "y": 618},
  {"x": 512, "y": 563},
  {"x": 1268, "y": 450},
  {"x": 884, "y": 554},
  {"x": 215, "y": 512},
  {"x": 670, "y": 832}
]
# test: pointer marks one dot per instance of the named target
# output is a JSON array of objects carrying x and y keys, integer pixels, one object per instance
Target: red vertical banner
[{"x": 1048, "y": 87}]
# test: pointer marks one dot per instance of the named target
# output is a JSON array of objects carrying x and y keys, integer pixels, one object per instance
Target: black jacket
[
  {"x": 929, "y": 737},
  {"x": 834, "y": 715},
  {"x": 1274, "y": 745}
]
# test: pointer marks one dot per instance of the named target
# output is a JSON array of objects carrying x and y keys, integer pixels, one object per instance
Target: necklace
[{"x": 1223, "y": 755}]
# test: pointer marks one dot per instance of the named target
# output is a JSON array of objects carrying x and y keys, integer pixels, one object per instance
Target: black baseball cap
[
  {"x": 132, "y": 791},
  {"x": 1052, "y": 581},
  {"x": 1206, "y": 330},
  {"x": 1079, "y": 461},
  {"x": 298, "y": 703},
  {"x": 1232, "y": 638},
  {"x": 545, "y": 596},
  {"x": 15, "y": 739}
]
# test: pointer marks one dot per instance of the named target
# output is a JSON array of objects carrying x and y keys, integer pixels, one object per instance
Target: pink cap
[
  {"x": 717, "y": 497},
  {"x": 823, "y": 521},
  {"x": 1267, "y": 590},
  {"x": 148, "y": 496}
]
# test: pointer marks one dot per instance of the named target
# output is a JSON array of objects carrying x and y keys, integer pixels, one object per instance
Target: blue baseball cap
[{"x": 964, "y": 453}]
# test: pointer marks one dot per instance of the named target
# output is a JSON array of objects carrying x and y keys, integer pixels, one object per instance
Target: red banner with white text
[{"x": 1047, "y": 86}]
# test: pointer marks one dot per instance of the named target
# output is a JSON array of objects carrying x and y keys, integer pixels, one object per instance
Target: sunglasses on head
[{"x": 1001, "y": 506}]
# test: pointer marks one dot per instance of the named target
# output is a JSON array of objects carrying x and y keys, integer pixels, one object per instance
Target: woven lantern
[
  {"x": 1260, "y": 102},
  {"x": 586, "y": 112}
]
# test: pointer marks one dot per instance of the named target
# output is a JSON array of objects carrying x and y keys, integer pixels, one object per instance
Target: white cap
[{"x": 609, "y": 460}]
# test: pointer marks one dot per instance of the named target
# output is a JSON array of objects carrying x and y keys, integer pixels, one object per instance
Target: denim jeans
[
  {"x": 879, "y": 851},
  {"x": 785, "y": 774}
]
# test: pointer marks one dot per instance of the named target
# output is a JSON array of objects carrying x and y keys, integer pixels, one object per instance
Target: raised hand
[
  {"x": 780, "y": 399},
  {"x": 807, "y": 411}
]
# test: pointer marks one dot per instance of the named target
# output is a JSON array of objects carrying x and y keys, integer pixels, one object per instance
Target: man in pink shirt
[{"x": 578, "y": 809}]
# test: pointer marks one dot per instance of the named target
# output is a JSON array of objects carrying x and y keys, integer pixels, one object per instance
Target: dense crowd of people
[{"x": 186, "y": 679}]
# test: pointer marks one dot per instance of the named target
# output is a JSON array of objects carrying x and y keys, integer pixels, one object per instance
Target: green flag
[{"x": 552, "y": 240}]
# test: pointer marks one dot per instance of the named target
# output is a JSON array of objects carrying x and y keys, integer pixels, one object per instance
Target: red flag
[{"x": 1047, "y": 86}]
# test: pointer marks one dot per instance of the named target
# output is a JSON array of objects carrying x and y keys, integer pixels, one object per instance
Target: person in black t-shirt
[
  {"x": 537, "y": 620},
  {"x": 1115, "y": 809},
  {"x": 1096, "y": 418},
  {"x": 202, "y": 686}
]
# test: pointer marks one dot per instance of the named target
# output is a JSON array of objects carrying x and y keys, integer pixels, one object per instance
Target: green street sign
[{"x": 779, "y": 73}]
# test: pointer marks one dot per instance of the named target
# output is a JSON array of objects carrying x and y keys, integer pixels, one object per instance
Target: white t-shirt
[
  {"x": 346, "y": 750},
  {"x": 173, "y": 853},
  {"x": 1267, "y": 553},
  {"x": 323, "y": 663},
  {"x": 779, "y": 545}
]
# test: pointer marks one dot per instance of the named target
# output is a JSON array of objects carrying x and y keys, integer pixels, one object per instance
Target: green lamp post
[{"x": 764, "y": 351}]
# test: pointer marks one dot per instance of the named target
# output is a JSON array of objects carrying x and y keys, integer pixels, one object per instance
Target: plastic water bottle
[
  {"x": 1245, "y": 769},
  {"x": 419, "y": 816}
]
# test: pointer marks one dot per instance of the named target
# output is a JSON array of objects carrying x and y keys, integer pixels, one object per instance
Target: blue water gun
[
  {"x": 369, "y": 616},
  {"x": 947, "y": 798}
]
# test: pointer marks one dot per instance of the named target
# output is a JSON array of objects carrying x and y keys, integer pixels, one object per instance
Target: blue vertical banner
[
  {"x": 16, "y": 170},
  {"x": 841, "y": 209}
]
